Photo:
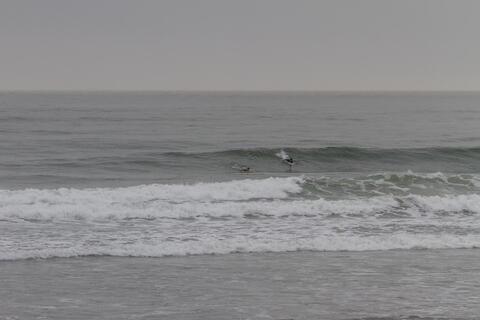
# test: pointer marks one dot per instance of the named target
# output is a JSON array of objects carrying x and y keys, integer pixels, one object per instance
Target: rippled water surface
[{"x": 158, "y": 174}]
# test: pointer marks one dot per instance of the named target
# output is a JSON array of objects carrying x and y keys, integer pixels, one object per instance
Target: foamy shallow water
[
  {"x": 267, "y": 215},
  {"x": 387, "y": 285}
]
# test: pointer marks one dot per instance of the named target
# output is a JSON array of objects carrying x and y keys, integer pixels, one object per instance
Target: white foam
[
  {"x": 475, "y": 180},
  {"x": 268, "y": 197},
  {"x": 249, "y": 245},
  {"x": 232, "y": 190},
  {"x": 282, "y": 155},
  {"x": 149, "y": 202},
  {"x": 149, "y": 199},
  {"x": 268, "y": 215},
  {"x": 449, "y": 203}
]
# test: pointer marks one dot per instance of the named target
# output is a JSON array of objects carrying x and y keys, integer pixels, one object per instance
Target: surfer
[
  {"x": 244, "y": 169},
  {"x": 241, "y": 168},
  {"x": 288, "y": 160}
]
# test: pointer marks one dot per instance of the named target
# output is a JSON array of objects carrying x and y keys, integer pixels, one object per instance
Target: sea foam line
[
  {"x": 79, "y": 209},
  {"x": 214, "y": 191},
  {"x": 400, "y": 241},
  {"x": 275, "y": 197}
]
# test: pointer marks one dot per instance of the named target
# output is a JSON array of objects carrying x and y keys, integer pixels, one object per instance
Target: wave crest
[
  {"x": 383, "y": 211},
  {"x": 275, "y": 197}
]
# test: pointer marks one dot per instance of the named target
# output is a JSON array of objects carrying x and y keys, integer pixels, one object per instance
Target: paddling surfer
[
  {"x": 244, "y": 169},
  {"x": 241, "y": 168}
]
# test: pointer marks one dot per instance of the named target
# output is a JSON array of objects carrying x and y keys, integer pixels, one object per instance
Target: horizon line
[{"x": 232, "y": 91}]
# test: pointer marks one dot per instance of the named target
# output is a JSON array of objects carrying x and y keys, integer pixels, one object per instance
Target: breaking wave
[
  {"x": 266, "y": 160},
  {"x": 339, "y": 159},
  {"x": 271, "y": 197},
  {"x": 381, "y": 211}
]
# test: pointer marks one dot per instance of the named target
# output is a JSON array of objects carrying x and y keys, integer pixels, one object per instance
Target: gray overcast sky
[{"x": 239, "y": 45}]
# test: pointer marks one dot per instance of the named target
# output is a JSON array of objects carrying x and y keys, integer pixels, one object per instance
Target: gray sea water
[{"x": 131, "y": 205}]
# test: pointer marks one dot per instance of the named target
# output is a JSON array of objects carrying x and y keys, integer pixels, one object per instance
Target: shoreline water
[{"x": 396, "y": 284}]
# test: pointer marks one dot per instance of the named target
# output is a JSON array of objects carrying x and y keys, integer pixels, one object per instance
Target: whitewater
[
  {"x": 375, "y": 212},
  {"x": 89, "y": 175}
]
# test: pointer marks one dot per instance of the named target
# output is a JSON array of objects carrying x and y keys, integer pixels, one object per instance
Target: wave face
[
  {"x": 141, "y": 167},
  {"x": 382, "y": 211},
  {"x": 341, "y": 159}
]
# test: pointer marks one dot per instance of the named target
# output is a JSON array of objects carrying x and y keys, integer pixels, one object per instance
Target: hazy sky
[{"x": 239, "y": 45}]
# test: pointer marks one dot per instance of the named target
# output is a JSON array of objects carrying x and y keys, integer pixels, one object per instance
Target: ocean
[{"x": 132, "y": 205}]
